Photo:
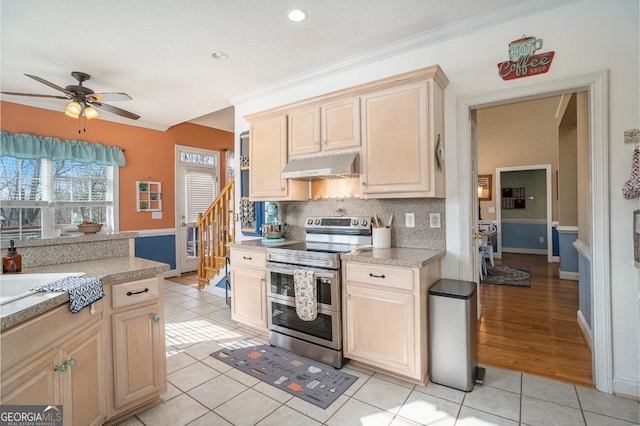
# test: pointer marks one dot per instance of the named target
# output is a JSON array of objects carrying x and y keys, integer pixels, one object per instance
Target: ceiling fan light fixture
[
  {"x": 90, "y": 113},
  {"x": 73, "y": 109},
  {"x": 69, "y": 114}
]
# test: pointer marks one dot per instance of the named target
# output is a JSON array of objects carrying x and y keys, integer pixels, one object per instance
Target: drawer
[
  {"x": 252, "y": 259},
  {"x": 387, "y": 276},
  {"x": 133, "y": 292}
]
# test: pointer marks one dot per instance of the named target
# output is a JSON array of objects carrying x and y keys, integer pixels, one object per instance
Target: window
[{"x": 40, "y": 197}]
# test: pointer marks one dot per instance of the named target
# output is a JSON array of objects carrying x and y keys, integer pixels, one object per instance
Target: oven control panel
[{"x": 337, "y": 223}]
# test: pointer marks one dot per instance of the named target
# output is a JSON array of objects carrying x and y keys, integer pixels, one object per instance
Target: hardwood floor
[
  {"x": 190, "y": 279},
  {"x": 534, "y": 329}
]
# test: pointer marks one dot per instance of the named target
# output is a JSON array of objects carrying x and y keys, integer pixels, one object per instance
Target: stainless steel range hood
[{"x": 333, "y": 166}]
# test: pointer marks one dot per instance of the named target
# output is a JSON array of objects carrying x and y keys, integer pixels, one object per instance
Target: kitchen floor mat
[{"x": 309, "y": 380}]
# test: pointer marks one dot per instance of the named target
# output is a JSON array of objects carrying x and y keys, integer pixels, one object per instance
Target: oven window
[
  {"x": 286, "y": 317},
  {"x": 282, "y": 284}
]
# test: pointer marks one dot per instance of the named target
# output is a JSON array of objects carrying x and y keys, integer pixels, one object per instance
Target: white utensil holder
[{"x": 381, "y": 237}]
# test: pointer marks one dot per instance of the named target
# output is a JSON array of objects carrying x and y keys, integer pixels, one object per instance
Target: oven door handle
[{"x": 289, "y": 271}]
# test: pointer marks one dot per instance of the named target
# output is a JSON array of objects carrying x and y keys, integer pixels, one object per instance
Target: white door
[{"x": 196, "y": 188}]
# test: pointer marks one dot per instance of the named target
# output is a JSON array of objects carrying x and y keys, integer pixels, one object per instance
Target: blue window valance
[{"x": 21, "y": 145}]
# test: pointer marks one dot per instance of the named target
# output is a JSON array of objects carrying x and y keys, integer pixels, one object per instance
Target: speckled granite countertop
[
  {"x": 396, "y": 256},
  {"x": 109, "y": 270}
]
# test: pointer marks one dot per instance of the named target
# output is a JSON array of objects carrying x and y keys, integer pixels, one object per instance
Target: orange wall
[{"x": 150, "y": 154}]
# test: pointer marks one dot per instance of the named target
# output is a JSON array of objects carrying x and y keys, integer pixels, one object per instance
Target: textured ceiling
[{"x": 159, "y": 51}]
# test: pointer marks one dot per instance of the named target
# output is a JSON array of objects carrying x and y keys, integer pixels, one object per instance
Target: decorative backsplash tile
[{"x": 422, "y": 236}]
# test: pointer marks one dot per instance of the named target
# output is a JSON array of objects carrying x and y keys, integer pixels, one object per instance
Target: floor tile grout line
[{"x": 521, "y": 391}]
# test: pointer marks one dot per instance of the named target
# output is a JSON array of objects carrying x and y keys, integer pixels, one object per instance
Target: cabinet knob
[
  {"x": 363, "y": 183},
  {"x": 315, "y": 142},
  {"x": 157, "y": 318},
  {"x": 67, "y": 364},
  {"x": 282, "y": 188},
  {"x": 323, "y": 142}
]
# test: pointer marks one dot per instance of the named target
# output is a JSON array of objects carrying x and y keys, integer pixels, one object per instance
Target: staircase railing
[{"x": 216, "y": 229}]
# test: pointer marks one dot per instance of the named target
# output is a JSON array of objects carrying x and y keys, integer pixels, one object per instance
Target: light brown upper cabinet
[
  {"x": 268, "y": 156},
  {"x": 402, "y": 149},
  {"x": 328, "y": 127},
  {"x": 396, "y": 123}
]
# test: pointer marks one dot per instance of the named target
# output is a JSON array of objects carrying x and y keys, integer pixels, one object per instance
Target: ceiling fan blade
[
  {"x": 115, "y": 110},
  {"x": 48, "y": 83},
  {"x": 35, "y": 95},
  {"x": 110, "y": 97}
]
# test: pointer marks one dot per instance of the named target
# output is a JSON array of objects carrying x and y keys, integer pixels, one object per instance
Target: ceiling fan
[{"x": 82, "y": 98}]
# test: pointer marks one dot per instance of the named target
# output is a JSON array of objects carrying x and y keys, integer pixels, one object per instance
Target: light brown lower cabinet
[
  {"x": 385, "y": 317},
  {"x": 249, "y": 288},
  {"x": 101, "y": 366},
  {"x": 136, "y": 361},
  {"x": 67, "y": 372}
]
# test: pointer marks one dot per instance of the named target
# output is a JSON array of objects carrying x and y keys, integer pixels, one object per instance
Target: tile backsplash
[{"x": 422, "y": 236}]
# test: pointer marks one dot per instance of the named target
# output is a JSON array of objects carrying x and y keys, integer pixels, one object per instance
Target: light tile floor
[{"x": 204, "y": 391}]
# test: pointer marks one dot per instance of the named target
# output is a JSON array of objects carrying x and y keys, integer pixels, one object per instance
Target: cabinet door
[
  {"x": 138, "y": 354},
  {"x": 379, "y": 328},
  {"x": 304, "y": 132},
  {"x": 249, "y": 296},
  {"x": 268, "y": 156},
  {"x": 37, "y": 383},
  {"x": 395, "y": 127},
  {"x": 84, "y": 403},
  {"x": 340, "y": 124}
]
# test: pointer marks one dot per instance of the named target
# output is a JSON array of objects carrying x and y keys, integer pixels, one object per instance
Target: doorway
[
  {"x": 465, "y": 183},
  {"x": 197, "y": 185},
  {"x": 524, "y": 210}
]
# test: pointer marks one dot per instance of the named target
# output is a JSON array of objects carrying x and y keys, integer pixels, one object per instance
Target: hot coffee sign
[{"x": 523, "y": 62}]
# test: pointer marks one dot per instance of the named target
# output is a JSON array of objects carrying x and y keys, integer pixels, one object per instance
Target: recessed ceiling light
[
  {"x": 296, "y": 15},
  {"x": 219, "y": 55}
]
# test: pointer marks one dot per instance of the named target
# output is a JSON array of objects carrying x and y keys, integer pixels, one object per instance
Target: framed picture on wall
[{"x": 484, "y": 187}]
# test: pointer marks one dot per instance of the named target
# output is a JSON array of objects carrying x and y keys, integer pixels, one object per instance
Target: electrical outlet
[
  {"x": 410, "y": 220},
  {"x": 434, "y": 220},
  {"x": 541, "y": 240}
]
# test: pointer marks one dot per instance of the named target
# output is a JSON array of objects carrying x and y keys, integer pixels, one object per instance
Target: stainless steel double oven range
[{"x": 325, "y": 239}]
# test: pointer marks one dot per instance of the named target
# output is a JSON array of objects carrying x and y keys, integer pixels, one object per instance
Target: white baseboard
[
  {"x": 524, "y": 251},
  {"x": 626, "y": 388},
  {"x": 555, "y": 259},
  {"x": 171, "y": 273},
  {"x": 584, "y": 327},
  {"x": 573, "y": 276}
]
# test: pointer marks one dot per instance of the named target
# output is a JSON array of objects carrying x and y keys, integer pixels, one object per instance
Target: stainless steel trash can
[{"x": 453, "y": 334}]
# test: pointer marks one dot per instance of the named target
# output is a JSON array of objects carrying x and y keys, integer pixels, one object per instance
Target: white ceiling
[{"x": 159, "y": 51}]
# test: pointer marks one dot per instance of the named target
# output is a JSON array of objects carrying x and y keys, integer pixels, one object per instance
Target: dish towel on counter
[
  {"x": 83, "y": 290},
  {"x": 305, "y": 292}
]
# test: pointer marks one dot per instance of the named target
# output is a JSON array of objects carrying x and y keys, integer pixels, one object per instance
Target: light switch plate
[
  {"x": 434, "y": 220},
  {"x": 156, "y": 215}
]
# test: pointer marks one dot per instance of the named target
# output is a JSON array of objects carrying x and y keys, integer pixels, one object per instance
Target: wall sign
[{"x": 522, "y": 59}]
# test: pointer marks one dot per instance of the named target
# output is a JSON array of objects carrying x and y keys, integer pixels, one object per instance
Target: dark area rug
[
  {"x": 519, "y": 276},
  {"x": 311, "y": 381}
]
